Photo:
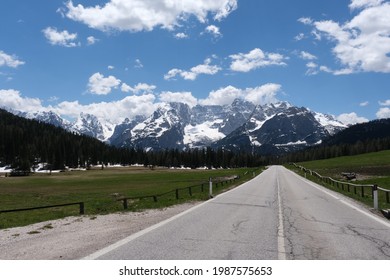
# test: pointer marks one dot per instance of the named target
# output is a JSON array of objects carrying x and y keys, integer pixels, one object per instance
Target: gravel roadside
[{"x": 76, "y": 237}]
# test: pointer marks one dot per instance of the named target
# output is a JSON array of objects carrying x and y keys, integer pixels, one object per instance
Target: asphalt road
[{"x": 277, "y": 215}]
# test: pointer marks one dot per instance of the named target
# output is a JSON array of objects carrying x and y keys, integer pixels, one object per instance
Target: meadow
[
  {"x": 101, "y": 189},
  {"x": 370, "y": 169}
]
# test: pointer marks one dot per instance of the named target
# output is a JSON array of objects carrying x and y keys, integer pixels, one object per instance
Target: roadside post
[
  {"x": 210, "y": 188},
  {"x": 375, "y": 196}
]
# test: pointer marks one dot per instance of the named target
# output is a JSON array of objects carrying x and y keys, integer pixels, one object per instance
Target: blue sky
[{"x": 121, "y": 58}]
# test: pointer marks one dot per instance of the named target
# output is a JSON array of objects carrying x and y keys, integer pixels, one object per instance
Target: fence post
[
  {"x": 210, "y": 188},
  {"x": 155, "y": 198},
  {"x": 82, "y": 209},
  {"x": 177, "y": 193},
  {"x": 190, "y": 191},
  {"x": 375, "y": 196},
  {"x": 387, "y": 197},
  {"x": 125, "y": 206}
]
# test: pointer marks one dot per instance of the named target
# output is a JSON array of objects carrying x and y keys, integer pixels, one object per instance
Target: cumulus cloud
[
  {"x": 181, "y": 35},
  {"x": 259, "y": 95},
  {"x": 256, "y": 58},
  {"x": 307, "y": 56},
  {"x": 9, "y": 60},
  {"x": 305, "y": 20},
  {"x": 115, "y": 111},
  {"x": 351, "y": 118},
  {"x": 364, "y": 104},
  {"x": 358, "y": 4},
  {"x": 145, "y": 15},
  {"x": 60, "y": 38},
  {"x": 140, "y": 88},
  {"x": 213, "y": 30},
  {"x": 92, "y": 40},
  {"x": 13, "y": 99},
  {"x": 184, "y": 97},
  {"x": 385, "y": 103},
  {"x": 206, "y": 69},
  {"x": 100, "y": 85},
  {"x": 383, "y": 113},
  {"x": 363, "y": 43}
]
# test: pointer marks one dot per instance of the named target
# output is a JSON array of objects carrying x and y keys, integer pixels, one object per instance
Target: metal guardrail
[{"x": 347, "y": 186}]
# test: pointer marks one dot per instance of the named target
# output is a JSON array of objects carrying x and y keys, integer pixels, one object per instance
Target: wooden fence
[
  {"x": 357, "y": 189},
  {"x": 81, "y": 205},
  {"x": 176, "y": 192}
]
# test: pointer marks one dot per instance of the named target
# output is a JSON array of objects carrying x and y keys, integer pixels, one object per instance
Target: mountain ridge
[{"x": 271, "y": 128}]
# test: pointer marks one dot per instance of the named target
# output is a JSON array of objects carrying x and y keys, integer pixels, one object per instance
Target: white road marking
[
  {"x": 340, "y": 199},
  {"x": 281, "y": 237}
]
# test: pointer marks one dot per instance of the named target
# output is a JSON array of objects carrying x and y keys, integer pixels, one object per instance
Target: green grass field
[
  {"x": 100, "y": 190},
  {"x": 371, "y": 169}
]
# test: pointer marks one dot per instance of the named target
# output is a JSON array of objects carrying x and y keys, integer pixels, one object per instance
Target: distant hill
[
  {"x": 362, "y": 138},
  {"x": 377, "y": 129}
]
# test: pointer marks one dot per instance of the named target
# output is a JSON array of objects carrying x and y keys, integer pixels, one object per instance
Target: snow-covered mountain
[
  {"x": 86, "y": 124},
  {"x": 271, "y": 128}
]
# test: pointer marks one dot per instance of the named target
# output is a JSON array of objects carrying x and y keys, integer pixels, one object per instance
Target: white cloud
[
  {"x": 364, "y": 104},
  {"x": 312, "y": 68},
  {"x": 9, "y": 60},
  {"x": 383, "y": 113},
  {"x": 194, "y": 72},
  {"x": 307, "y": 56},
  {"x": 259, "y": 95},
  {"x": 184, "y": 97},
  {"x": 385, "y": 103},
  {"x": 213, "y": 30},
  {"x": 110, "y": 67},
  {"x": 140, "y": 88},
  {"x": 60, "y": 38},
  {"x": 92, "y": 40},
  {"x": 13, "y": 99},
  {"x": 181, "y": 35},
  {"x": 351, "y": 118},
  {"x": 222, "y": 96},
  {"x": 263, "y": 94},
  {"x": 100, "y": 85},
  {"x": 305, "y": 20},
  {"x": 256, "y": 58},
  {"x": 115, "y": 111},
  {"x": 138, "y": 64},
  {"x": 142, "y": 15},
  {"x": 299, "y": 37},
  {"x": 357, "y": 4},
  {"x": 363, "y": 43}
]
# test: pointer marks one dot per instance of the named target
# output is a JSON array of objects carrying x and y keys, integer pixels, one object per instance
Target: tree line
[{"x": 25, "y": 143}]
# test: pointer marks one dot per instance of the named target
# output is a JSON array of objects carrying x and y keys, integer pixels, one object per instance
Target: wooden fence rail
[
  {"x": 81, "y": 205},
  {"x": 177, "y": 191},
  {"x": 345, "y": 186}
]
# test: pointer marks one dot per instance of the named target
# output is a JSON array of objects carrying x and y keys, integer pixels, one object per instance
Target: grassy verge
[
  {"x": 371, "y": 169},
  {"x": 101, "y": 189}
]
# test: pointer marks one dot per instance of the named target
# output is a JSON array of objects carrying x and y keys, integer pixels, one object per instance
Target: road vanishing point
[{"x": 276, "y": 215}]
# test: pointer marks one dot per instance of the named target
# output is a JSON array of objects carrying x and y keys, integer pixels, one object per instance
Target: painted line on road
[
  {"x": 342, "y": 200},
  {"x": 134, "y": 236},
  {"x": 281, "y": 237}
]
